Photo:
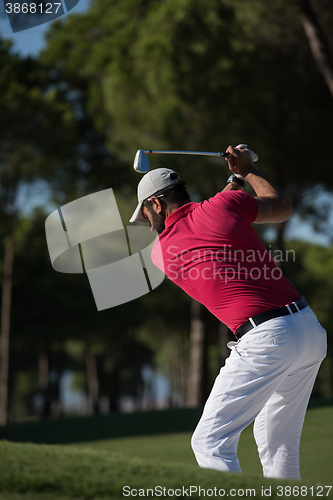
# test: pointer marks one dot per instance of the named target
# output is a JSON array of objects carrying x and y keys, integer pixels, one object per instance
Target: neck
[{"x": 172, "y": 208}]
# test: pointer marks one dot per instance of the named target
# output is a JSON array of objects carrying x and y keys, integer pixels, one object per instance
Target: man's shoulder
[
  {"x": 235, "y": 202},
  {"x": 229, "y": 197}
]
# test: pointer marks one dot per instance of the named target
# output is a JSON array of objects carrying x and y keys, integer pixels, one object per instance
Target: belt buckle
[
  {"x": 293, "y": 308},
  {"x": 296, "y": 305}
]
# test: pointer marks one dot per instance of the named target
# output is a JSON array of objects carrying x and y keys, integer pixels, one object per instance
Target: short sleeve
[{"x": 237, "y": 201}]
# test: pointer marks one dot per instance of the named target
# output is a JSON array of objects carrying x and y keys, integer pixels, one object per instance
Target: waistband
[{"x": 251, "y": 323}]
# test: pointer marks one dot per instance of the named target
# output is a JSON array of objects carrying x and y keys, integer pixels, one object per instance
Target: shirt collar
[{"x": 179, "y": 213}]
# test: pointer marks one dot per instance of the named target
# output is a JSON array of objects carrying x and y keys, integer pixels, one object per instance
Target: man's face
[{"x": 156, "y": 221}]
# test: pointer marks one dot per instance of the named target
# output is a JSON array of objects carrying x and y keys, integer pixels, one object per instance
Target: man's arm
[{"x": 272, "y": 204}]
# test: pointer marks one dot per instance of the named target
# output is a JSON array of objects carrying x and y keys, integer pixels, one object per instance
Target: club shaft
[{"x": 193, "y": 153}]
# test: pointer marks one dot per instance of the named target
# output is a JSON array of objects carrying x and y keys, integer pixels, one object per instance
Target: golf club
[{"x": 141, "y": 163}]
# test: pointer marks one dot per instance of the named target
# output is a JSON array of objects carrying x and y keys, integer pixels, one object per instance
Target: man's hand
[
  {"x": 240, "y": 161},
  {"x": 272, "y": 204},
  {"x": 232, "y": 186}
]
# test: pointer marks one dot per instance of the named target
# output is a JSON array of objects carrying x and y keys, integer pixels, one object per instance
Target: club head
[{"x": 141, "y": 163}]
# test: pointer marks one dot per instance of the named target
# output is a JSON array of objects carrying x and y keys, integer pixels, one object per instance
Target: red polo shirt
[{"x": 212, "y": 252}]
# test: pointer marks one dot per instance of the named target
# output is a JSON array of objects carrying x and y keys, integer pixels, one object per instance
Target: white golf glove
[{"x": 254, "y": 158}]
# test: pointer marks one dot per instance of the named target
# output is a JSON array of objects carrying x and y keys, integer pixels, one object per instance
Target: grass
[
  {"x": 98, "y": 469},
  {"x": 316, "y": 447},
  {"x": 63, "y": 472}
]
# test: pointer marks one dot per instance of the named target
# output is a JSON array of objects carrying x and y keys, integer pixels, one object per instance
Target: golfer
[{"x": 211, "y": 251}]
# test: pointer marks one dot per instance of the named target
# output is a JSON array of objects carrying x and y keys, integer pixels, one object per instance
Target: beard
[{"x": 158, "y": 221}]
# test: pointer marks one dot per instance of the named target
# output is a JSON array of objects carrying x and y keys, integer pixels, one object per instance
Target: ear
[{"x": 157, "y": 206}]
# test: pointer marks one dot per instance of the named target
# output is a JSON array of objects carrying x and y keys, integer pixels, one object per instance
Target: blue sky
[{"x": 31, "y": 41}]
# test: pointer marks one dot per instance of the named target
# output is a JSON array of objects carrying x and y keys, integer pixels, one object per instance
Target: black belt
[{"x": 272, "y": 313}]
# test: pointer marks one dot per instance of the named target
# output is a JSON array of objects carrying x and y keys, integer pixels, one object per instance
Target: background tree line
[{"x": 127, "y": 75}]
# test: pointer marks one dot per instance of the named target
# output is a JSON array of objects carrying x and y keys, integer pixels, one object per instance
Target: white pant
[{"x": 267, "y": 378}]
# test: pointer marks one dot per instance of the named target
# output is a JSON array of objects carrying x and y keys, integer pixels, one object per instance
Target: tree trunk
[
  {"x": 317, "y": 41},
  {"x": 5, "y": 326},
  {"x": 197, "y": 381},
  {"x": 115, "y": 378},
  {"x": 92, "y": 378},
  {"x": 43, "y": 383}
]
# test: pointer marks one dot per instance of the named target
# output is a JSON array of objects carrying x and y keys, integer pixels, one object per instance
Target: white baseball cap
[{"x": 151, "y": 183}]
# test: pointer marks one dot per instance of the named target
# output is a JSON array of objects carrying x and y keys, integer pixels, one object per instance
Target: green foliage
[
  {"x": 26, "y": 384},
  {"x": 310, "y": 272},
  {"x": 79, "y": 381},
  {"x": 37, "y": 127},
  {"x": 193, "y": 74}
]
